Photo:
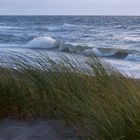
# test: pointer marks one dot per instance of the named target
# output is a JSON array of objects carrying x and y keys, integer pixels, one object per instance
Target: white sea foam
[
  {"x": 4, "y": 27},
  {"x": 8, "y": 45},
  {"x": 135, "y": 57},
  {"x": 45, "y": 42},
  {"x": 132, "y": 38},
  {"x": 98, "y": 52},
  {"x": 130, "y": 69},
  {"x": 66, "y": 25}
]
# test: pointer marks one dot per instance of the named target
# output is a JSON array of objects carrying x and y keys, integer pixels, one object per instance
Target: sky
[{"x": 69, "y": 7}]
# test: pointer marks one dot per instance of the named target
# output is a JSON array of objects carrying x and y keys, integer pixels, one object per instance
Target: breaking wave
[
  {"x": 102, "y": 52},
  {"x": 72, "y": 48},
  {"x": 47, "y": 42}
]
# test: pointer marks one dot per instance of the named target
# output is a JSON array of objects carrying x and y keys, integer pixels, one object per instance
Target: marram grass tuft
[{"x": 98, "y": 101}]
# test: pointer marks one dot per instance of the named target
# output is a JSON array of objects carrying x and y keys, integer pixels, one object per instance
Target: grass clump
[{"x": 98, "y": 101}]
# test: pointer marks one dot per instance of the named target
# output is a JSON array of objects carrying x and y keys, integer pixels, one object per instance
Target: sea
[{"x": 115, "y": 39}]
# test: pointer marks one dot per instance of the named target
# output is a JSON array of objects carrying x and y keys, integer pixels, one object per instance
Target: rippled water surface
[{"x": 116, "y": 39}]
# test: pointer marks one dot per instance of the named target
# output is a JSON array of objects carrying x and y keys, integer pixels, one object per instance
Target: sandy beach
[{"x": 36, "y": 130}]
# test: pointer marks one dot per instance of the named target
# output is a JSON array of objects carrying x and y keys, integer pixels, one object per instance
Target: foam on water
[
  {"x": 4, "y": 27},
  {"x": 114, "y": 38},
  {"x": 45, "y": 42},
  {"x": 135, "y": 57},
  {"x": 66, "y": 25},
  {"x": 99, "y": 52},
  {"x": 127, "y": 68},
  {"x": 3, "y": 45},
  {"x": 132, "y": 38}
]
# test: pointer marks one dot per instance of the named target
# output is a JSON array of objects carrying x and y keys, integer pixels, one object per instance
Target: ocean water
[{"x": 116, "y": 39}]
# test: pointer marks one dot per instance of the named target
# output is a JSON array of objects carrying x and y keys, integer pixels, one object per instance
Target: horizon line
[{"x": 64, "y": 15}]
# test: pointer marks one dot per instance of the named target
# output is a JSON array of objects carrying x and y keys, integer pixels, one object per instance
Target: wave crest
[
  {"x": 45, "y": 42},
  {"x": 66, "y": 25},
  {"x": 72, "y": 48},
  {"x": 48, "y": 42}
]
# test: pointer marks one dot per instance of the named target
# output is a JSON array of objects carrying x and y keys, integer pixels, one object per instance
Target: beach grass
[{"x": 97, "y": 100}]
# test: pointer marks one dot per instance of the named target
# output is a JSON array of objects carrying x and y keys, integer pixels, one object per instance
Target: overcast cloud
[{"x": 69, "y": 7}]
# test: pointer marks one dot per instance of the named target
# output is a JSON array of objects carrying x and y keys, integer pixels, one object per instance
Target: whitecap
[
  {"x": 45, "y": 42},
  {"x": 69, "y": 25}
]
